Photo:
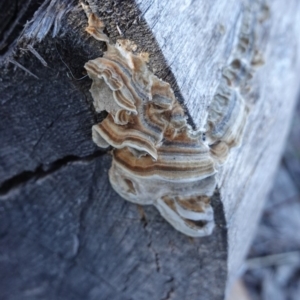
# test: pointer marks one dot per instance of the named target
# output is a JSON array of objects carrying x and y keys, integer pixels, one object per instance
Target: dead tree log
[{"x": 64, "y": 232}]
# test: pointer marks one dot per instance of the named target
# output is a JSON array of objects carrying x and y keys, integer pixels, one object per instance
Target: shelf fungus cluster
[{"x": 157, "y": 157}]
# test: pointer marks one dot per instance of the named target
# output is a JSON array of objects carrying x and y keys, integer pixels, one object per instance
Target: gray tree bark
[{"x": 64, "y": 233}]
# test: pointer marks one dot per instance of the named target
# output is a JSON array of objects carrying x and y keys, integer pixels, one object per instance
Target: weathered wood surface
[
  {"x": 246, "y": 178},
  {"x": 195, "y": 62},
  {"x": 65, "y": 234},
  {"x": 276, "y": 249},
  {"x": 250, "y": 170}
]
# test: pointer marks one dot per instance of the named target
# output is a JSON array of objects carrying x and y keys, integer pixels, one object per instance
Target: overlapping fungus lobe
[
  {"x": 157, "y": 158},
  {"x": 154, "y": 146},
  {"x": 120, "y": 136},
  {"x": 169, "y": 167}
]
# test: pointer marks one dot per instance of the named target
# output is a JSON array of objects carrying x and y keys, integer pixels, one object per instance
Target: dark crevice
[
  {"x": 43, "y": 170},
  {"x": 144, "y": 221},
  {"x": 169, "y": 294},
  {"x": 142, "y": 215},
  {"x": 156, "y": 257}
]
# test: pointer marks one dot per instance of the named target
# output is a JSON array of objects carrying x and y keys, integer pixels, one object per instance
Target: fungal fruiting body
[{"x": 158, "y": 158}]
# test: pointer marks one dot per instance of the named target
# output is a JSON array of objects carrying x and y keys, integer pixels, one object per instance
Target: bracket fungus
[{"x": 158, "y": 158}]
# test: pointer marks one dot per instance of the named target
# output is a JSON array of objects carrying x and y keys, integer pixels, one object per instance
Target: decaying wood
[{"x": 65, "y": 234}]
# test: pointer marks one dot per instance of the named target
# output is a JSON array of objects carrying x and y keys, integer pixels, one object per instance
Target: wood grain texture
[
  {"x": 250, "y": 170},
  {"x": 64, "y": 233},
  {"x": 247, "y": 176},
  {"x": 88, "y": 243},
  {"x": 195, "y": 62}
]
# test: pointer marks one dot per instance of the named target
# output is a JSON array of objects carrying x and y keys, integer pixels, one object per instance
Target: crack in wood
[{"x": 42, "y": 171}]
